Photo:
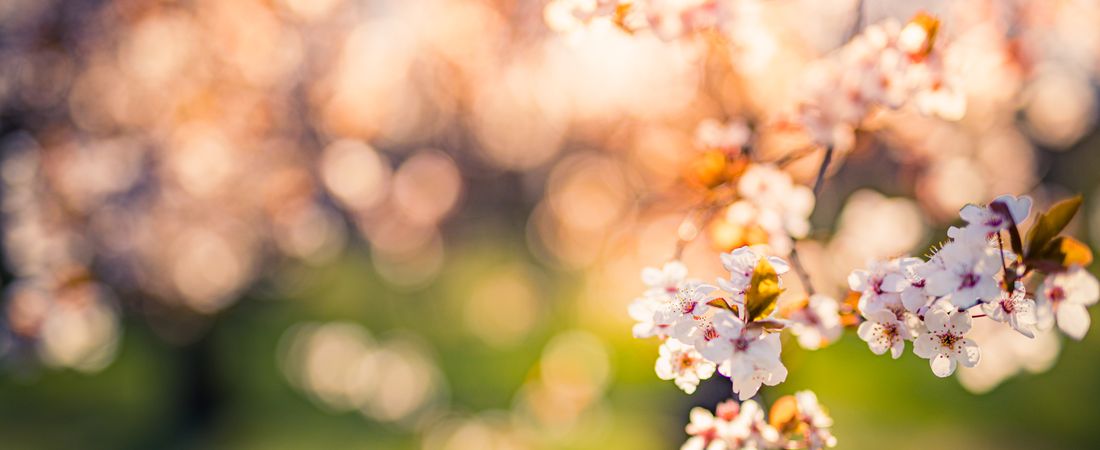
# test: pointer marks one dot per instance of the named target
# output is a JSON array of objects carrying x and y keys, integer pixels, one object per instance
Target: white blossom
[
  {"x": 643, "y": 310},
  {"x": 883, "y": 331},
  {"x": 817, "y": 323},
  {"x": 1015, "y": 309},
  {"x": 666, "y": 281},
  {"x": 741, "y": 263},
  {"x": 944, "y": 343},
  {"x": 704, "y": 431},
  {"x": 983, "y": 222},
  {"x": 818, "y": 421},
  {"x": 772, "y": 189},
  {"x": 681, "y": 362},
  {"x": 748, "y": 356},
  {"x": 880, "y": 286},
  {"x": 965, "y": 272},
  {"x": 1065, "y": 296}
]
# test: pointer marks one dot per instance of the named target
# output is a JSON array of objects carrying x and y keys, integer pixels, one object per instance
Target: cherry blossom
[
  {"x": 748, "y": 430},
  {"x": 772, "y": 189},
  {"x": 1066, "y": 295},
  {"x": 689, "y": 302},
  {"x": 964, "y": 271},
  {"x": 1016, "y": 309},
  {"x": 885, "y": 66},
  {"x": 643, "y": 310},
  {"x": 741, "y": 263},
  {"x": 817, "y": 420},
  {"x": 666, "y": 281},
  {"x": 682, "y": 363},
  {"x": 880, "y": 286},
  {"x": 944, "y": 343},
  {"x": 732, "y": 426},
  {"x": 704, "y": 430},
  {"x": 883, "y": 331},
  {"x": 749, "y": 357},
  {"x": 985, "y": 222},
  {"x": 817, "y": 323}
]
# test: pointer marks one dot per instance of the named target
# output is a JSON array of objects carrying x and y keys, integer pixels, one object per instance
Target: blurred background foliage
[{"x": 406, "y": 225}]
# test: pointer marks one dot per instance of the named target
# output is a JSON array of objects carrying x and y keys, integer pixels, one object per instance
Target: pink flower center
[
  {"x": 687, "y": 307},
  {"x": 710, "y": 333},
  {"x": 740, "y": 344}
]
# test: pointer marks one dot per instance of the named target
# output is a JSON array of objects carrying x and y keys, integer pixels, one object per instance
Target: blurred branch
[
  {"x": 821, "y": 171},
  {"x": 803, "y": 275}
]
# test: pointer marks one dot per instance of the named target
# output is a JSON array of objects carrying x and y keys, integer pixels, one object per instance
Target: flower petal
[
  {"x": 967, "y": 353},
  {"x": 1073, "y": 319},
  {"x": 942, "y": 365}
]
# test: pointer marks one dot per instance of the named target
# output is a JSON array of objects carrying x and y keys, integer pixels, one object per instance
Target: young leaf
[
  {"x": 1048, "y": 225},
  {"x": 768, "y": 325},
  {"x": 763, "y": 290},
  {"x": 1061, "y": 253},
  {"x": 721, "y": 303}
]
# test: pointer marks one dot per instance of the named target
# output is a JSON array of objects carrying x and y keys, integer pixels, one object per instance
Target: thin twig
[
  {"x": 821, "y": 171},
  {"x": 795, "y": 155},
  {"x": 803, "y": 275}
]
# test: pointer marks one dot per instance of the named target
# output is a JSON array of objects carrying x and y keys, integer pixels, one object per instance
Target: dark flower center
[{"x": 969, "y": 280}]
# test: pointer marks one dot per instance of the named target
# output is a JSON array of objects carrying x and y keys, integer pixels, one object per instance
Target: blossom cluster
[
  {"x": 796, "y": 421},
  {"x": 668, "y": 19},
  {"x": 979, "y": 273},
  {"x": 770, "y": 210},
  {"x": 732, "y": 327},
  {"x": 706, "y": 327},
  {"x": 887, "y": 66}
]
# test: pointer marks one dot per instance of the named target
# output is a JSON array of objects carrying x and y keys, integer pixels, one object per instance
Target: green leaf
[
  {"x": 1048, "y": 225},
  {"x": 1062, "y": 253},
  {"x": 763, "y": 291}
]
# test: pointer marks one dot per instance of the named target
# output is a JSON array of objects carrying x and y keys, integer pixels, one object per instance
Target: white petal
[
  {"x": 857, "y": 280},
  {"x": 652, "y": 276},
  {"x": 967, "y": 353},
  {"x": 778, "y": 375},
  {"x": 780, "y": 266},
  {"x": 695, "y": 443},
  {"x": 938, "y": 317},
  {"x": 746, "y": 387},
  {"x": 1073, "y": 319},
  {"x": 926, "y": 345},
  {"x": 960, "y": 322},
  {"x": 894, "y": 282},
  {"x": 942, "y": 365},
  {"x": 1083, "y": 289},
  {"x": 897, "y": 349},
  {"x": 868, "y": 330},
  {"x": 941, "y": 283},
  {"x": 675, "y": 270},
  {"x": 700, "y": 418},
  {"x": 687, "y": 383},
  {"x": 972, "y": 213},
  {"x": 664, "y": 369}
]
